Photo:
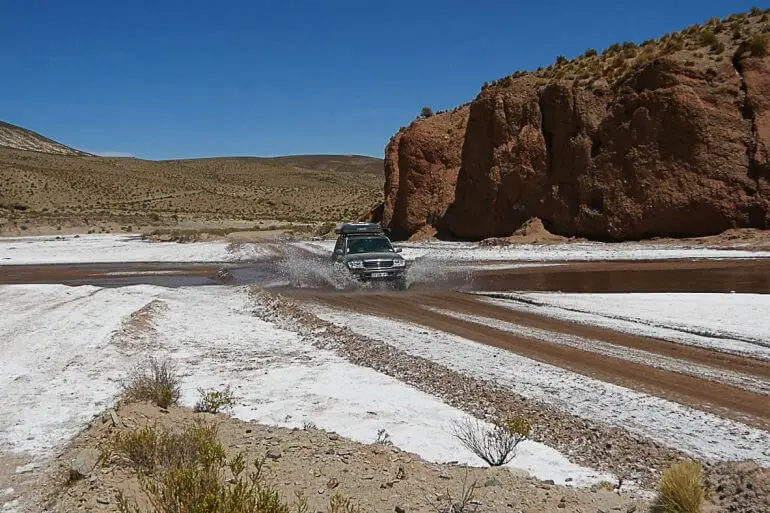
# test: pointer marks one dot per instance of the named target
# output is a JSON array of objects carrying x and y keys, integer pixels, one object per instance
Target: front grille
[{"x": 378, "y": 264}]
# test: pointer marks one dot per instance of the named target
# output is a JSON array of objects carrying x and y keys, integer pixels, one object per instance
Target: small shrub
[
  {"x": 383, "y": 438},
  {"x": 591, "y": 52},
  {"x": 718, "y": 47},
  {"x": 757, "y": 46},
  {"x": 340, "y": 504},
  {"x": 708, "y": 38},
  {"x": 151, "y": 449},
  {"x": 462, "y": 503},
  {"x": 629, "y": 45},
  {"x": 214, "y": 401},
  {"x": 187, "y": 471},
  {"x": 154, "y": 381},
  {"x": 495, "y": 444},
  {"x": 612, "y": 49},
  {"x": 681, "y": 490},
  {"x": 756, "y": 11},
  {"x": 426, "y": 112},
  {"x": 561, "y": 60},
  {"x": 675, "y": 44}
]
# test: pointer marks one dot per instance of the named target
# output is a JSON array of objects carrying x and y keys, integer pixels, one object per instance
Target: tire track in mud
[{"x": 725, "y": 400}]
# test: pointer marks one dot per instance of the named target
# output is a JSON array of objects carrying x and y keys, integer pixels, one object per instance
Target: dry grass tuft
[
  {"x": 152, "y": 449},
  {"x": 155, "y": 381},
  {"x": 189, "y": 471},
  {"x": 681, "y": 490}
]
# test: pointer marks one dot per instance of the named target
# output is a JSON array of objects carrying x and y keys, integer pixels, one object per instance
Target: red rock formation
[
  {"x": 673, "y": 149},
  {"x": 421, "y": 166}
]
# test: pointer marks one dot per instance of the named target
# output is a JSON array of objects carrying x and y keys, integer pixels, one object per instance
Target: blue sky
[{"x": 172, "y": 79}]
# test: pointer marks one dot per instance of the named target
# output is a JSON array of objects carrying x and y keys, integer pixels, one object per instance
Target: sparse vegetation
[
  {"x": 341, "y": 504},
  {"x": 462, "y": 503},
  {"x": 758, "y": 45},
  {"x": 495, "y": 444},
  {"x": 426, "y": 112},
  {"x": 152, "y": 449},
  {"x": 155, "y": 381},
  {"x": 383, "y": 438},
  {"x": 197, "y": 483},
  {"x": 681, "y": 490},
  {"x": 708, "y": 37},
  {"x": 214, "y": 401}
]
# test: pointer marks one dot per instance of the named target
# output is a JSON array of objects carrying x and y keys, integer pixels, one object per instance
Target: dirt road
[{"x": 733, "y": 386}]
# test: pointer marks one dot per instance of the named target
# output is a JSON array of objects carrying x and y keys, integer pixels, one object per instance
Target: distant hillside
[
  {"x": 17, "y": 138},
  {"x": 46, "y": 182},
  {"x": 666, "y": 137}
]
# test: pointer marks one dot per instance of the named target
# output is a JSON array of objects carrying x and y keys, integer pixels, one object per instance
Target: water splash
[{"x": 302, "y": 269}]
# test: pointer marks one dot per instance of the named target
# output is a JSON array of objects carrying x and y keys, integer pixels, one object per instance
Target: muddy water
[{"x": 306, "y": 271}]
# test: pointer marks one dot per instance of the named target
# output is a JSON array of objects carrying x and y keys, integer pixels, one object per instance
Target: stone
[
  {"x": 275, "y": 453},
  {"x": 83, "y": 464},
  {"x": 493, "y": 481}
]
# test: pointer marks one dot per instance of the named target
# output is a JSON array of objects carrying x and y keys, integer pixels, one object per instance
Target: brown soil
[
  {"x": 45, "y": 193},
  {"x": 732, "y": 402},
  {"x": 318, "y": 464},
  {"x": 531, "y": 232}
]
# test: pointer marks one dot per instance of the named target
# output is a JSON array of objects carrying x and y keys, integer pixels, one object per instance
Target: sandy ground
[{"x": 320, "y": 463}]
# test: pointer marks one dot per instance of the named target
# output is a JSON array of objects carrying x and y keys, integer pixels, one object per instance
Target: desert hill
[
  {"x": 668, "y": 137},
  {"x": 50, "y": 187},
  {"x": 17, "y": 138}
]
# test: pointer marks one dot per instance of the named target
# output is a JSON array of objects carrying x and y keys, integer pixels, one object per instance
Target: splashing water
[
  {"x": 437, "y": 273},
  {"x": 303, "y": 269}
]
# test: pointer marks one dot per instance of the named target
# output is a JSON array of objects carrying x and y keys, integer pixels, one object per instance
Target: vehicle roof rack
[{"x": 353, "y": 228}]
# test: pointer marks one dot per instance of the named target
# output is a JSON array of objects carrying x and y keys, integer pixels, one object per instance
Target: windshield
[{"x": 368, "y": 245}]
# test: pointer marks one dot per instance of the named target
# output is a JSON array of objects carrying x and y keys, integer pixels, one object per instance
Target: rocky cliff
[{"x": 668, "y": 138}]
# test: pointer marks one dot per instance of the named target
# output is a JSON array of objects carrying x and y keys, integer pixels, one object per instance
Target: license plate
[{"x": 379, "y": 275}]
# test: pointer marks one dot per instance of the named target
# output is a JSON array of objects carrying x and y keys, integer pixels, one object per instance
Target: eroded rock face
[
  {"x": 421, "y": 166},
  {"x": 672, "y": 150}
]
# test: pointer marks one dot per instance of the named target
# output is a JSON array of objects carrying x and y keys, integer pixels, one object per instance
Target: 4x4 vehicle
[{"x": 367, "y": 253}]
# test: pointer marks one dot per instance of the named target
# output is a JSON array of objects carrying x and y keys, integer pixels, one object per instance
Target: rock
[
  {"x": 102, "y": 500},
  {"x": 83, "y": 464},
  {"x": 561, "y": 505},
  {"x": 669, "y": 149},
  {"x": 275, "y": 453},
  {"x": 114, "y": 418},
  {"x": 421, "y": 167},
  {"x": 631, "y": 508},
  {"x": 332, "y": 484},
  {"x": 399, "y": 509},
  {"x": 492, "y": 481}
]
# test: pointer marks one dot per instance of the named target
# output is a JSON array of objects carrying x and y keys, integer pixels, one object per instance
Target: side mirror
[
  {"x": 337, "y": 251},
  {"x": 397, "y": 250}
]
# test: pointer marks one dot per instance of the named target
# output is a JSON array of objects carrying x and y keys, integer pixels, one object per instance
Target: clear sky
[{"x": 169, "y": 79}]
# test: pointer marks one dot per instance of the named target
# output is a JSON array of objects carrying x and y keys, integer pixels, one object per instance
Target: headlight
[
  {"x": 399, "y": 263},
  {"x": 356, "y": 264}
]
